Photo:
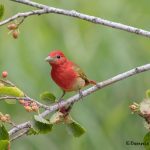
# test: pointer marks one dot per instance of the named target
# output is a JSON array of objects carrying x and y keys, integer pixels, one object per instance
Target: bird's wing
[{"x": 81, "y": 73}]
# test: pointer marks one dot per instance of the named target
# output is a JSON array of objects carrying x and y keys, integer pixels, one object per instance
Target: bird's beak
[{"x": 49, "y": 59}]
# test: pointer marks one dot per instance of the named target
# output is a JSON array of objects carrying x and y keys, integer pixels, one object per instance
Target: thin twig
[
  {"x": 12, "y": 123},
  {"x": 20, "y": 15},
  {"x": 86, "y": 92},
  {"x": 25, "y": 98},
  {"x": 22, "y": 20},
  {"x": 7, "y": 82},
  {"x": 72, "y": 13}
]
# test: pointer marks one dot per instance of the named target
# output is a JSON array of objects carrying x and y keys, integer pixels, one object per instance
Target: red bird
[{"x": 66, "y": 74}]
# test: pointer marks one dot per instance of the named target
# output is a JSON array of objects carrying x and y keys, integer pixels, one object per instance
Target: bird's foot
[{"x": 64, "y": 109}]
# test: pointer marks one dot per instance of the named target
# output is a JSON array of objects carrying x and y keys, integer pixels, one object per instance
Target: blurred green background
[{"x": 102, "y": 52}]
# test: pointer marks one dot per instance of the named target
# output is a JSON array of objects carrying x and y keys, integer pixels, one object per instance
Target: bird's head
[{"x": 56, "y": 57}]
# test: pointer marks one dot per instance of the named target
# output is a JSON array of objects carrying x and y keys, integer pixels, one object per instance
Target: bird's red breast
[{"x": 64, "y": 76}]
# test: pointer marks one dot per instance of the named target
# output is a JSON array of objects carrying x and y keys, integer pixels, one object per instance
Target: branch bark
[
  {"x": 72, "y": 13},
  {"x": 85, "y": 93}
]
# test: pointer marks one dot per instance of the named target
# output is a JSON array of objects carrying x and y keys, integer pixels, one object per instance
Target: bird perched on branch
[{"x": 66, "y": 74}]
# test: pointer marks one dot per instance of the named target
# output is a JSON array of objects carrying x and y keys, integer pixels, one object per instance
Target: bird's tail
[{"x": 92, "y": 82}]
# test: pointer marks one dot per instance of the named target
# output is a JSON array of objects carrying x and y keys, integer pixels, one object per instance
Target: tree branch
[
  {"x": 86, "y": 92},
  {"x": 20, "y": 15},
  {"x": 19, "y": 135},
  {"x": 72, "y": 13}
]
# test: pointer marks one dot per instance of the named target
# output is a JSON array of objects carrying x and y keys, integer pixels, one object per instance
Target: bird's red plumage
[
  {"x": 62, "y": 71},
  {"x": 65, "y": 73}
]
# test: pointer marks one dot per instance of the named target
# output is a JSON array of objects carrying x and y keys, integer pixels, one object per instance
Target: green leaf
[
  {"x": 75, "y": 129},
  {"x": 148, "y": 93},
  {"x": 48, "y": 97},
  {"x": 41, "y": 125},
  {"x": 41, "y": 119},
  {"x": 42, "y": 128},
  {"x": 4, "y": 144},
  {"x": 3, "y": 133},
  {"x": 1, "y": 11},
  {"x": 147, "y": 141},
  {"x": 11, "y": 91}
]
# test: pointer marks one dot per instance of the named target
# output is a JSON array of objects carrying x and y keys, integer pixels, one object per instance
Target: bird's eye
[{"x": 58, "y": 56}]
